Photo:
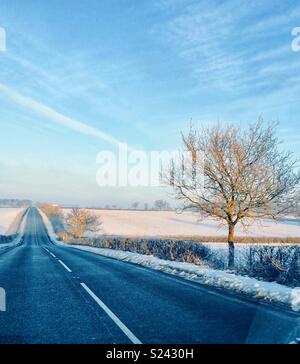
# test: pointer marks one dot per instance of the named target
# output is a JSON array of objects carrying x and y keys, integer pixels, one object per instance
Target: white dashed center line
[
  {"x": 65, "y": 266},
  {"x": 116, "y": 320},
  {"x": 54, "y": 256}
]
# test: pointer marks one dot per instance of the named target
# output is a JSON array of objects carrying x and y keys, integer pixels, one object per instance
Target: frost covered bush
[
  {"x": 81, "y": 221},
  {"x": 272, "y": 263},
  {"x": 176, "y": 250},
  {"x": 279, "y": 264},
  {"x": 5, "y": 239},
  {"x": 55, "y": 215}
]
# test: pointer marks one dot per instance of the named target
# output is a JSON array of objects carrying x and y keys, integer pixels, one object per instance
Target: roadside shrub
[
  {"x": 273, "y": 263},
  {"x": 175, "y": 250},
  {"x": 80, "y": 221},
  {"x": 279, "y": 264},
  {"x": 64, "y": 236},
  {"x": 55, "y": 215},
  {"x": 5, "y": 239}
]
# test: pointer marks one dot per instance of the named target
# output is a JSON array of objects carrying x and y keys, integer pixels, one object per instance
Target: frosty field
[{"x": 171, "y": 224}]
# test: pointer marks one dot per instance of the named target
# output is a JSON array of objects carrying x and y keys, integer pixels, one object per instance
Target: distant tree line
[
  {"x": 160, "y": 205},
  {"x": 15, "y": 203}
]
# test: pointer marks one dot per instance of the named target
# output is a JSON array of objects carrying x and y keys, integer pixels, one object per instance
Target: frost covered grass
[{"x": 252, "y": 287}]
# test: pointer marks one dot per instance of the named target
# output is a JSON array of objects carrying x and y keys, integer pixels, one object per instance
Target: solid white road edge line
[
  {"x": 116, "y": 320},
  {"x": 65, "y": 266}
]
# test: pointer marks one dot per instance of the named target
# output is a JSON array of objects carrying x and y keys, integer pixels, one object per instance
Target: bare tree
[
  {"x": 135, "y": 205},
  {"x": 243, "y": 175},
  {"x": 80, "y": 221},
  {"x": 161, "y": 205}
]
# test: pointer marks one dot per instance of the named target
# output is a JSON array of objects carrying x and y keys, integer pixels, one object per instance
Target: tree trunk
[{"x": 231, "y": 247}]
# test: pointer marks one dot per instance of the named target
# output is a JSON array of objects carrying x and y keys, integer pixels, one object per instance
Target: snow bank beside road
[
  {"x": 260, "y": 290},
  {"x": 49, "y": 226},
  {"x": 20, "y": 233},
  {"x": 7, "y": 218},
  {"x": 271, "y": 292}
]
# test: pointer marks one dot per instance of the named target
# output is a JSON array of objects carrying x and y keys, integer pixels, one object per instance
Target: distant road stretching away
[{"x": 62, "y": 295}]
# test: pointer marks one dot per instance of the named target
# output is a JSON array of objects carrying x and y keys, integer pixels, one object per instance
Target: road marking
[
  {"x": 65, "y": 266},
  {"x": 116, "y": 320},
  {"x": 61, "y": 262},
  {"x": 54, "y": 256}
]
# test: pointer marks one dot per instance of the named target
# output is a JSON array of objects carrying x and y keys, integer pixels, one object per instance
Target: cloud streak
[
  {"x": 56, "y": 117},
  {"x": 231, "y": 45}
]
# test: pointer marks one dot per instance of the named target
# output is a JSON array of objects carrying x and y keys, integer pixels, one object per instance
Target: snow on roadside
[
  {"x": 19, "y": 237},
  {"x": 7, "y": 217},
  {"x": 49, "y": 227},
  {"x": 260, "y": 290}
]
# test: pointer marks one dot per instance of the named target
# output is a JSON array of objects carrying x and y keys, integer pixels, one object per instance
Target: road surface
[{"x": 62, "y": 295}]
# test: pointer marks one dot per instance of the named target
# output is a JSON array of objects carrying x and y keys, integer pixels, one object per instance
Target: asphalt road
[{"x": 62, "y": 295}]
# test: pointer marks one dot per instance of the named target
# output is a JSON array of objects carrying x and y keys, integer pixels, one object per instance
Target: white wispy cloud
[
  {"x": 56, "y": 117},
  {"x": 231, "y": 45},
  {"x": 49, "y": 75}
]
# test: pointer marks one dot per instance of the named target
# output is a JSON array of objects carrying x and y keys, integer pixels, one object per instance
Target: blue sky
[{"x": 80, "y": 76}]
